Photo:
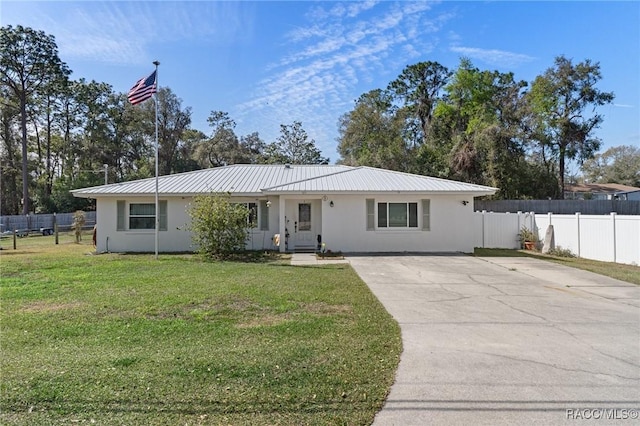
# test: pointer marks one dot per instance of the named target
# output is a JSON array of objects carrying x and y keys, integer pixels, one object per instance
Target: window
[
  {"x": 252, "y": 219},
  {"x": 371, "y": 214},
  {"x": 120, "y": 217},
  {"x": 397, "y": 215},
  {"x": 304, "y": 217},
  {"x": 264, "y": 215},
  {"x": 141, "y": 215},
  {"x": 253, "y": 214},
  {"x": 426, "y": 215}
]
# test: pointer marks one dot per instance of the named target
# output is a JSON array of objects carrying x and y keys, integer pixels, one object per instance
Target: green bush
[
  {"x": 219, "y": 227},
  {"x": 561, "y": 252}
]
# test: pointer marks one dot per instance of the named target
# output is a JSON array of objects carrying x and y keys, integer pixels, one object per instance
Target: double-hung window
[
  {"x": 252, "y": 219},
  {"x": 387, "y": 215},
  {"x": 258, "y": 215},
  {"x": 141, "y": 216},
  {"x": 397, "y": 215}
]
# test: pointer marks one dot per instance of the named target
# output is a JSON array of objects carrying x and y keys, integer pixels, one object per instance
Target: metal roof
[
  {"x": 251, "y": 179},
  {"x": 369, "y": 179}
]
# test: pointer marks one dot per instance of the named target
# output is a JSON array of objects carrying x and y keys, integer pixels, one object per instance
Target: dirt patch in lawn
[{"x": 42, "y": 306}]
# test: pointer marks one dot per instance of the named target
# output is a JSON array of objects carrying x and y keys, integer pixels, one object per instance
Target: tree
[
  {"x": 223, "y": 147},
  {"x": 28, "y": 61},
  {"x": 253, "y": 148},
  {"x": 294, "y": 147},
  {"x": 218, "y": 227},
  {"x": 9, "y": 155},
  {"x": 371, "y": 134},
  {"x": 483, "y": 122},
  {"x": 560, "y": 99},
  {"x": 419, "y": 86},
  {"x": 185, "y": 160},
  {"x": 618, "y": 164},
  {"x": 173, "y": 121}
]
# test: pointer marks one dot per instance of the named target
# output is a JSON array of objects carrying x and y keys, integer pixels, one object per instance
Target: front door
[{"x": 303, "y": 228}]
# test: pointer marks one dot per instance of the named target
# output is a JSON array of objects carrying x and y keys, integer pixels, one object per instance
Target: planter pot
[{"x": 529, "y": 245}]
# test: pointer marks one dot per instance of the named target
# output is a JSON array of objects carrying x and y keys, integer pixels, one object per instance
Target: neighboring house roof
[
  {"x": 604, "y": 188},
  {"x": 251, "y": 180}
]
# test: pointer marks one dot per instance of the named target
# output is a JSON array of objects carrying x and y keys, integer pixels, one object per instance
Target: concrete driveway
[{"x": 507, "y": 341}]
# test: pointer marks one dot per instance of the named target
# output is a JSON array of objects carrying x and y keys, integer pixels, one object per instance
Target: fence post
[
  {"x": 578, "y": 228},
  {"x": 613, "y": 228},
  {"x": 484, "y": 244},
  {"x": 532, "y": 222},
  {"x": 55, "y": 227},
  {"x": 15, "y": 237}
]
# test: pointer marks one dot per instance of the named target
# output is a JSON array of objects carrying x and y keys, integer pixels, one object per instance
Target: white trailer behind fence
[{"x": 609, "y": 238}]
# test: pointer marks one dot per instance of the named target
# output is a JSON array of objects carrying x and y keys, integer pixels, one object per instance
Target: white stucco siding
[
  {"x": 175, "y": 238},
  {"x": 344, "y": 225}
]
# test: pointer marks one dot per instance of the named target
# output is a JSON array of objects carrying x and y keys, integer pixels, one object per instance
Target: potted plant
[{"x": 528, "y": 239}]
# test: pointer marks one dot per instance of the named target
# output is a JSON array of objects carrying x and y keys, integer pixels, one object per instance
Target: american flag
[{"x": 143, "y": 89}]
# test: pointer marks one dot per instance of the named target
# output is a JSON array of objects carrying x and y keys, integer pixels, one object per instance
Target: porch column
[{"x": 281, "y": 223}]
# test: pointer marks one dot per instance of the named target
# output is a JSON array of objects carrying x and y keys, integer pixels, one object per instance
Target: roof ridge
[
  {"x": 425, "y": 176},
  {"x": 350, "y": 169}
]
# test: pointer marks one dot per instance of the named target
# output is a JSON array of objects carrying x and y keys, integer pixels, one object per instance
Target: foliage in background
[
  {"x": 219, "y": 228},
  {"x": 293, "y": 146},
  {"x": 561, "y": 99},
  {"x": 479, "y": 126},
  {"x": 469, "y": 124},
  {"x": 30, "y": 71},
  {"x": 619, "y": 164},
  {"x": 60, "y": 134}
]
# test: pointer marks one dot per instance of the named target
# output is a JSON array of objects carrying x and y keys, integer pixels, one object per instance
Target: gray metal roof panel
[
  {"x": 369, "y": 179},
  {"x": 237, "y": 179},
  {"x": 246, "y": 179}
]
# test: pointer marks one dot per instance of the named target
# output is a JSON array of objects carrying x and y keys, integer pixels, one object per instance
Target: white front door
[{"x": 303, "y": 229}]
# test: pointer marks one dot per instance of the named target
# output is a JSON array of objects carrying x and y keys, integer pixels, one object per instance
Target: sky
[{"x": 269, "y": 63}]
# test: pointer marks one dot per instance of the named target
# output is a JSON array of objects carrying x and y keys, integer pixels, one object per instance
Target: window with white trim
[
  {"x": 385, "y": 215},
  {"x": 397, "y": 215},
  {"x": 141, "y": 216},
  {"x": 258, "y": 215}
]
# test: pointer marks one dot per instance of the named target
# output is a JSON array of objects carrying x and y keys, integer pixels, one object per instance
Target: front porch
[{"x": 301, "y": 223}]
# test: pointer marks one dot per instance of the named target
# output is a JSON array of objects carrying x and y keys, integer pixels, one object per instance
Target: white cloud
[
  {"x": 124, "y": 32},
  {"x": 493, "y": 56},
  {"x": 346, "y": 45}
]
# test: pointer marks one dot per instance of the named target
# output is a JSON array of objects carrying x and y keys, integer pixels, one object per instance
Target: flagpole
[{"x": 157, "y": 224}]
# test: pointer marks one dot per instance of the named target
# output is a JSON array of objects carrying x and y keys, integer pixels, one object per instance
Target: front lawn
[{"x": 126, "y": 339}]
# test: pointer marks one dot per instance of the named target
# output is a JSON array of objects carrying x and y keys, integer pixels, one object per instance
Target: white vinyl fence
[{"x": 609, "y": 238}]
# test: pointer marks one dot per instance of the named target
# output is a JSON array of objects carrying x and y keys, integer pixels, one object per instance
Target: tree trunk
[
  {"x": 25, "y": 172},
  {"x": 561, "y": 160},
  {"x": 49, "y": 171}
]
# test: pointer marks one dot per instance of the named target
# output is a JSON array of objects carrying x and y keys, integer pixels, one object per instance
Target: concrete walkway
[
  {"x": 504, "y": 341},
  {"x": 306, "y": 259}
]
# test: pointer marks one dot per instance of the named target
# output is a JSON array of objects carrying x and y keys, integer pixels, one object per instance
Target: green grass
[
  {"x": 126, "y": 339},
  {"x": 628, "y": 273}
]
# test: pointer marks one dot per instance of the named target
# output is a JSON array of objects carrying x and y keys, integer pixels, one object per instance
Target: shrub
[
  {"x": 78, "y": 222},
  {"x": 218, "y": 227},
  {"x": 561, "y": 252},
  {"x": 527, "y": 235}
]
